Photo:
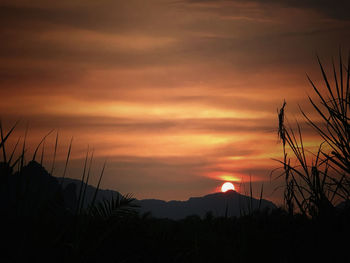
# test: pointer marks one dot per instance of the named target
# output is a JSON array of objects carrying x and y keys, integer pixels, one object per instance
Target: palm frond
[{"x": 116, "y": 207}]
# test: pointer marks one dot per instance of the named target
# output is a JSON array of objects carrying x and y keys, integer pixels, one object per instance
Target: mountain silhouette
[
  {"x": 229, "y": 203},
  {"x": 38, "y": 189},
  {"x": 72, "y": 188},
  {"x": 34, "y": 190},
  {"x": 30, "y": 191}
]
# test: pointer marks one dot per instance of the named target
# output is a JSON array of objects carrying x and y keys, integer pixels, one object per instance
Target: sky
[{"x": 177, "y": 96}]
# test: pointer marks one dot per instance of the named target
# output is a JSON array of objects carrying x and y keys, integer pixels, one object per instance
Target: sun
[{"x": 227, "y": 186}]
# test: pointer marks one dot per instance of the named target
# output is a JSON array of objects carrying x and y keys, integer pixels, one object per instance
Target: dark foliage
[{"x": 264, "y": 236}]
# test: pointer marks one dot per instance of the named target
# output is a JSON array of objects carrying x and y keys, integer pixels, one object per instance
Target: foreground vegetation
[
  {"x": 43, "y": 221},
  {"x": 260, "y": 237}
]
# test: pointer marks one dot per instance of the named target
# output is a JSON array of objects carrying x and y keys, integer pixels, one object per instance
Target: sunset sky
[{"x": 178, "y": 96}]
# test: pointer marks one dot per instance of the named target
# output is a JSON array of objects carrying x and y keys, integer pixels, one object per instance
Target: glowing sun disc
[{"x": 227, "y": 186}]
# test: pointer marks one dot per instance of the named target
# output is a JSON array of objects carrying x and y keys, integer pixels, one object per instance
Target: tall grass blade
[
  {"x": 3, "y": 143},
  {"x": 341, "y": 101},
  {"x": 98, "y": 184},
  {"x": 54, "y": 155},
  {"x": 261, "y": 195},
  {"x": 67, "y": 160},
  {"x": 251, "y": 194},
  {"x": 325, "y": 78},
  {"x": 4, "y": 138},
  {"x": 14, "y": 150},
  {"x": 347, "y": 96},
  {"x": 82, "y": 181},
  {"x": 42, "y": 140},
  {"x": 87, "y": 180},
  {"x": 336, "y": 84},
  {"x": 42, "y": 154},
  {"x": 23, "y": 149}
]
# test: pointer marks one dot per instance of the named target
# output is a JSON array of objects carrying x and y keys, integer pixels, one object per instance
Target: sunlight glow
[{"x": 227, "y": 186}]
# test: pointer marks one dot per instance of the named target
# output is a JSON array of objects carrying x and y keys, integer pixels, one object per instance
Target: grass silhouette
[
  {"x": 316, "y": 183},
  {"x": 28, "y": 192}
]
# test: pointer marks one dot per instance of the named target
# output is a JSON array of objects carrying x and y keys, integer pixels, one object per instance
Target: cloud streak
[{"x": 326, "y": 7}]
